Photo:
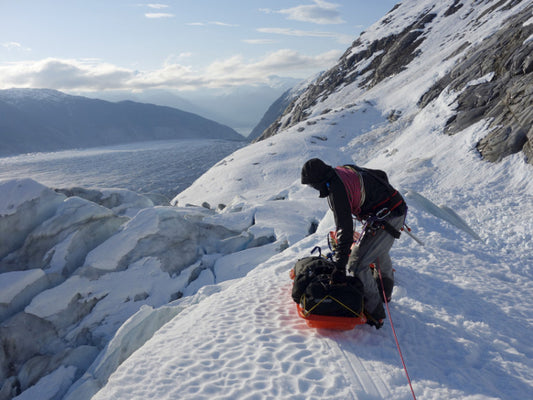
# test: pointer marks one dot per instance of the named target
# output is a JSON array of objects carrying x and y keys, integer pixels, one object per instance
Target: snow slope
[{"x": 460, "y": 306}]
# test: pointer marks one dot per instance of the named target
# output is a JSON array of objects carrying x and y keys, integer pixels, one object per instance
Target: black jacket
[{"x": 379, "y": 194}]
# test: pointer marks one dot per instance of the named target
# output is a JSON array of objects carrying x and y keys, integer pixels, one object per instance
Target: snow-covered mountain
[
  {"x": 41, "y": 120},
  {"x": 488, "y": 65},
  {"x": 121, "y": 299}
]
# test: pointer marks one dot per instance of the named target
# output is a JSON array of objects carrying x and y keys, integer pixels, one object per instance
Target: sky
[{"x": 182, "y": 45}]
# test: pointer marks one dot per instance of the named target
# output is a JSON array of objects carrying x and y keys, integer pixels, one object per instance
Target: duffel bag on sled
[{"x": 322, "y": 304}]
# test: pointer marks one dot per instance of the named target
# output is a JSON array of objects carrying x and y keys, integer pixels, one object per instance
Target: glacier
[{"x": 128, "y": 318}]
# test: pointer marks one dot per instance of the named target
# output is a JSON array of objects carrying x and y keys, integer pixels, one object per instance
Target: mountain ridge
[
  {"x": 39, "y": 120},
  {"x": 505, "y": 51}
]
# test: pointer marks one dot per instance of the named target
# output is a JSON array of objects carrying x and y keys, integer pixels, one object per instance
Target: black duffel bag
[{"x": 313, "y": 291}]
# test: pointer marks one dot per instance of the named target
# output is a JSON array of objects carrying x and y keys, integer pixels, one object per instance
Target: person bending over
[{"x": 367, "y": 195}]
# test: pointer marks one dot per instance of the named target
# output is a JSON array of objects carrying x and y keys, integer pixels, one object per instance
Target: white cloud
[
  {"x": 14, "y": 46},
  {"x": 236, "y": 70},
  {"x": 92, "y": 75},
  {"x": 157, "y": 6},
  {"x": 217, "y": 23},
  {"x": 259, "y": 41},
  {"x": 222, "y": 24},
  {"x": 158, "y": 15},
  {"x": 321, "y": 12},
  {"x": 62, "y": 74},
  {"x": 341, "y": 38}
]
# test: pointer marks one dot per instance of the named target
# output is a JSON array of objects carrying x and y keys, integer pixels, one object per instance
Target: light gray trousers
[{"x": 374, "y": 248}]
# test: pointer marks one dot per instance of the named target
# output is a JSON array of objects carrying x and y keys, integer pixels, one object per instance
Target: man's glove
[{"x": 338, "y": 276}]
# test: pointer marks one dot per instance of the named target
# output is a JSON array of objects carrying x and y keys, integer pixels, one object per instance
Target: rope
[
  {"x": 394, "y": 332},
  {"x": 307, "y": 312}
]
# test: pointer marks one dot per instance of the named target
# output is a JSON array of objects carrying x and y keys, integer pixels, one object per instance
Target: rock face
[
  {"x": 504, "y": 96},
  {"x": 48, "y": 120},
  {"x": 383, "y": 58},
  {"x": 493, "y": 77}
]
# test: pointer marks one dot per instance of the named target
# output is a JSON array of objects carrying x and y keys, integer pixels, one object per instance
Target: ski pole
[{"x": 412, "y": 236}]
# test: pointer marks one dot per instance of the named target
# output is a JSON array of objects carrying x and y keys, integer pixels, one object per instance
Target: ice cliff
[{"x": 73, "y": 271}]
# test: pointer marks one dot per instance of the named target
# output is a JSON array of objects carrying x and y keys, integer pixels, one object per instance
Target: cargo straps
[{"x": 307, "y": 312}]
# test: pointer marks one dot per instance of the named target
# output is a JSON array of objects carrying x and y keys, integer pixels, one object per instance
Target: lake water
[{"x": 165, "y": 167}]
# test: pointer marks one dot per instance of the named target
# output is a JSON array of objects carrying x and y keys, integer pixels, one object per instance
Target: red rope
[{"x": 394, "y": 332}]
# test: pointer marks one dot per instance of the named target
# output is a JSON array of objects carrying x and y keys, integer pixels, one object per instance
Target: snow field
[
  {"x": 460, "y": 305},
  {"x": 457, "y": 308}
]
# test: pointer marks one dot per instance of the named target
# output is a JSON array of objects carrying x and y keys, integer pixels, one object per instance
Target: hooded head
[{"x": 317, "y": 174}]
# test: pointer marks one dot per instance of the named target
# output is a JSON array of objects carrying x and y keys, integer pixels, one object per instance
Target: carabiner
[{"x": 383, "y": 213}]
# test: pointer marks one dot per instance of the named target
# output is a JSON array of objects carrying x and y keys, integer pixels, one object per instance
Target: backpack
[{"x": 315, "y": 295}]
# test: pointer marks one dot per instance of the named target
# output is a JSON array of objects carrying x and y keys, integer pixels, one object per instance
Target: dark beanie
[{"x": 316, "y": 171}]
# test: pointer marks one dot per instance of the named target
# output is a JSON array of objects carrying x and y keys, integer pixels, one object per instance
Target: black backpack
[{"x": 315, "y": 295}]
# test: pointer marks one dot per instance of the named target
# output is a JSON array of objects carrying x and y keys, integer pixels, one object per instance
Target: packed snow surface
[{"x": 460, "y": 307}]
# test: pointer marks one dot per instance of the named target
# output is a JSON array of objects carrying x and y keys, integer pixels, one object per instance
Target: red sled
[{"x": 330, "y": 322}]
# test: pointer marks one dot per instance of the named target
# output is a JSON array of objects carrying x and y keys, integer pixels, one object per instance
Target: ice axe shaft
[{"x": 408, "y": 231}]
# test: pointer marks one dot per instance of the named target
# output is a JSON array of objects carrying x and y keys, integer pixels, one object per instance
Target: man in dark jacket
[{"x": 367, "y": 195}]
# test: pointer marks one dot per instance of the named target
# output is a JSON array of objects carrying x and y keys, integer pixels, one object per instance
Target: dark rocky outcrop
[
  {"x": 388, "y": 56},
  {"x": 493, "y": 78},
  {"x": 505, "y": 97}
]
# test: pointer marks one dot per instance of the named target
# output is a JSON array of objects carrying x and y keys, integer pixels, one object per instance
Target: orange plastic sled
[{"x": 330, "y": 322}]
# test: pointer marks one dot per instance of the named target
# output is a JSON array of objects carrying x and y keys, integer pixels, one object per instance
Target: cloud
[
  {"x": 217, "y": 23},
  {"x": 341, "y": 38},
  {"x": 158, "y": 15},
  {"x": 321, "y": 12},
  {"x": 95, "y": 75},
  {"x": 259, "y": 41},
  {"x": 157, "y": 6},
  {"x": 14, "y": 46},
  {"x": 63, "y": 74}
]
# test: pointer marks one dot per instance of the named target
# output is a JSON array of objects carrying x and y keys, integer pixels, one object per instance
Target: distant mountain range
[
  {"x": 239, "y": 108},
  {"x": 34, "y": 120}
]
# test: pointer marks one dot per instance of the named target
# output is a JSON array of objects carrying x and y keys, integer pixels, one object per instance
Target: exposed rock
[
  {"x": 375, "y": 62},
  {"x": 269, "y": 123},
  {"x": 495, "y": 82}
]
